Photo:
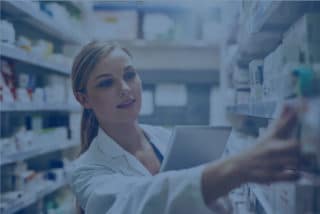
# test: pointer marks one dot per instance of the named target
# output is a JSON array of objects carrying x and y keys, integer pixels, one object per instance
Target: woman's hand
[{"x": 276, "y": 156}]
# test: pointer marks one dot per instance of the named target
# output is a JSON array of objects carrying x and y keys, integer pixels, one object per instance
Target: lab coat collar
[
  {"x": 112, "y": 150},
  {"x": 109, "y": 147}
]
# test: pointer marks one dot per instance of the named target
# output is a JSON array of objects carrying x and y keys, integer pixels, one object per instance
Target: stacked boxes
[
  {"x": 301, "y": 46},
  {"x": 296, "y": 198}
]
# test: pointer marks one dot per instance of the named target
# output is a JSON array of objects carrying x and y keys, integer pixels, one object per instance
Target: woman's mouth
[{"x": 126, "y": 104}]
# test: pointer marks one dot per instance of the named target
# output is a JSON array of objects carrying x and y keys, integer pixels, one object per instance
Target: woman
[{"x": 118, "y": 170}]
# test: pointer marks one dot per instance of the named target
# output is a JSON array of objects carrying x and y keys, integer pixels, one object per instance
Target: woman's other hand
[{"x": 276, "y": 156}]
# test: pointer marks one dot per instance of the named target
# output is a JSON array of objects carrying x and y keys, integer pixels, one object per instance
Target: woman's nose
[{"x": 124, "y": 88}]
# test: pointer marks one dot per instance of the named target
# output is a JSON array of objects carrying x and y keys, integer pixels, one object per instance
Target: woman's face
[{"x": 114, "y": 89}]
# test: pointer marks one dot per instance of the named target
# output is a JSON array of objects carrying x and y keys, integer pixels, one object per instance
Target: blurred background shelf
[
  {"x": 33, "y": 152},
  {"x": 142, "y": 43},
  {"x": 43, "y": 22},
  {"x": 267, "y": 26},
  {"x": 33, "y": 59},
  {"x": 34, "y": 197},
  {"x": 38, "y": 107},
  {"x": 263, "y": 110}
]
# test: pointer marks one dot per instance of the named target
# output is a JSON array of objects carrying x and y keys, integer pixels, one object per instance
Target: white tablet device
[{"x": 191, "y": 146}]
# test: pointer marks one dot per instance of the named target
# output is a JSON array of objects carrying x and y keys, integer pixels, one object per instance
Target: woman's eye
[
  {"x": 129, "y": 75},
  {"x": 105, "y": 83}
]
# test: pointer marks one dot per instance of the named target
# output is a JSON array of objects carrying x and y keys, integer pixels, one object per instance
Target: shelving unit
[
  {"x": 32, "y": 197},
  {"x": 257, "y": 38},
  {"x": 271, "y": 20},
  {"x": 30, "y": 15},
  {"x": 30, "y": 58},
  {"x": 263, "y": 110},
  {"x": 34, "y": 24},
  {"x": 31, "y": 107},
  {"x": 141, "y": 43},
  {"x": 33, "y": 152}
]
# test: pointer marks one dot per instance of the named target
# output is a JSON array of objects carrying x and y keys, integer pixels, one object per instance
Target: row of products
[
  {"x": 300, "y": 49},
  {"x": 57, "y": 15},
  {"x": 22, "y": 87},
  {"x": 285, "y": 197},
  {"x": 40, "y": 48},
  {"x": 25, "y": 184},
  {"x": 44, "y": 49},
  {"x": 66, "y": 19},
  {"x": 277, "y": 76},
  {"x": 29, "y": 140},
  {"x": 156, "y": 26},
  {"x": 123, "y": 25}
]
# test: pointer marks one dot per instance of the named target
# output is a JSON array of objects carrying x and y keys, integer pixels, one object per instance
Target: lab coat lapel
[
  {"x": 119, "y": 156},
  {"x": 159, "y": 140}
]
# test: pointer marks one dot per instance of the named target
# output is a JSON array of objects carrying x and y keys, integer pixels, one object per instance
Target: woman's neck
[{"x": 128, "y": 135}]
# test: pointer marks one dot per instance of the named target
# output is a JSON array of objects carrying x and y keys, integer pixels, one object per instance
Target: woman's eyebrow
[{"x": 102, "y": 75}]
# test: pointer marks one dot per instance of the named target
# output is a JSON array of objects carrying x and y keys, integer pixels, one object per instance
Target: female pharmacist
[{"x": 118, "y": 170}]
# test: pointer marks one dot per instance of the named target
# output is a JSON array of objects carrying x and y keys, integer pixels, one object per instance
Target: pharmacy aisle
[{"x": 230, "y": 64}]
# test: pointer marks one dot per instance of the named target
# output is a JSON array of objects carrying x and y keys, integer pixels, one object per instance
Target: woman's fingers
[
  {"x": 272, "y": 159},
  {"x": 270, "y": 176},
  {"x": 283, "y": 148},
  {"x": 286, "y": 175},
  {"x": 284, "y": 163}
]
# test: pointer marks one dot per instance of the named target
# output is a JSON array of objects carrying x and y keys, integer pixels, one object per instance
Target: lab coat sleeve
[{"x": 102, "y": 191}]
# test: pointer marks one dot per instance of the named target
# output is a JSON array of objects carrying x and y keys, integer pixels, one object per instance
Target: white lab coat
[{"x": 108, "y": 179}]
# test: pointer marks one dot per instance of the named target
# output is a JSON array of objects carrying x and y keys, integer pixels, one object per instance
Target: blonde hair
[{"x": 82, "y": 67}]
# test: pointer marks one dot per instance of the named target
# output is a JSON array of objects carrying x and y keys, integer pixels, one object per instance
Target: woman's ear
[{"x": 83, "y": 99}]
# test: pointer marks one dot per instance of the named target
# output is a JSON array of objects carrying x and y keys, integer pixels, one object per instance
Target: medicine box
[{"x": 296, "y": 198}]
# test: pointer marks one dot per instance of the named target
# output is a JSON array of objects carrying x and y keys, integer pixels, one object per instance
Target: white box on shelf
[
  {"x": 119, "y": 25},
  {"x": 171, "y": 95},
  {"x": 241, "y": 76},
  {"x": 147, "y": 106},
  {"x": 218, "y": 113},
  {"x": 295, "y": 198},
  {"x": 158, "y": 27}
]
